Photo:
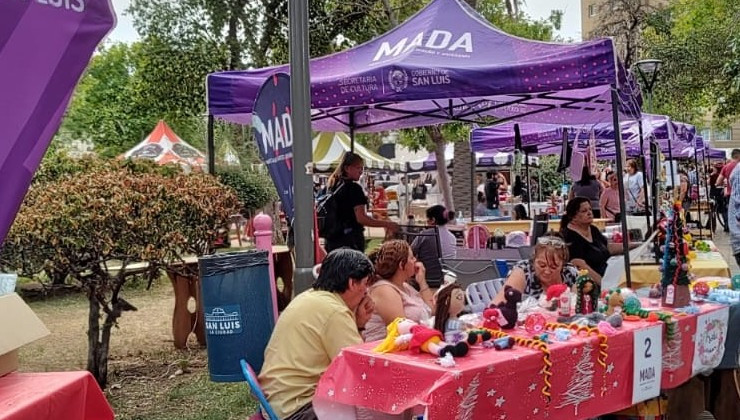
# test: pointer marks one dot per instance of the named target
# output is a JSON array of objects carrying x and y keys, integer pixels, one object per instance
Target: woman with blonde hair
[
  {"x": 548, "y": 266},
  {"x": 351, "y": 204},
  {"x": 395, "y": 266}
]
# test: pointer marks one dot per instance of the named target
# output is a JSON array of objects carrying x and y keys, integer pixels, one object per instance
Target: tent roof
[
  {"x": 547, "y": 138},
  {"x": 482, "y": 159},
  {"x": 444, "y": 63},
  {"x": 163, "y": 146},
  {"x": 328, "y": 149}
]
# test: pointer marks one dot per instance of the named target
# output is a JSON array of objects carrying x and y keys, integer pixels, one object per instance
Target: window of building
[
  {"x": 722, "y": 135},
  {"x": 706, "y": 134},
  {"x": 593, "y": 9}
]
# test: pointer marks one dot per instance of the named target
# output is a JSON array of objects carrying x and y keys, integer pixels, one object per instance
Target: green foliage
[
  {"x": 254, "y": 189},
  {"x": 116, "y": 214},
  {"x": 698, "y": 44},
  {"x": 549, "y": 178}
]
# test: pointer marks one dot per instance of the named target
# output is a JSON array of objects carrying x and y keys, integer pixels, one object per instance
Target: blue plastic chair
[{"x": 256, "y": 389}]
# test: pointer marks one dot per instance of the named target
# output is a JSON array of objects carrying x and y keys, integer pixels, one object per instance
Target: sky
[{"x": 536, "y": 9}]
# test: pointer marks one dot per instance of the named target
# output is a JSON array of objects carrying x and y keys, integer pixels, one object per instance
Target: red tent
[{"x": 163, "y": 146}]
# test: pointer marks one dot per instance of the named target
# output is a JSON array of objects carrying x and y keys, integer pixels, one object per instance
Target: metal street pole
[{"x": 300, "y": 104}]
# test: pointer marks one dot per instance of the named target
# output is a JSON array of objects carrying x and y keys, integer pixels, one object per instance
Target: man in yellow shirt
[{"x": 313, "y": 329}]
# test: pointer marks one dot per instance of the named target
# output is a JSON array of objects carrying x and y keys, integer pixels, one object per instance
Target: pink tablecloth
[
  {"x": 52, "y": 396},
  {"x": 504, "y": 384}
]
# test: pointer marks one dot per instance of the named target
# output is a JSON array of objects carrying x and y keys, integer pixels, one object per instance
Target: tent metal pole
[
  {"x": 655, "y": 169},
  {"x": 529, "y": 196},
  {"x": 670, "y": 158},
  {"x": 352, "y": 129},
  {"x": 644, "y": 176},
  {"x": 473, "y": 187},
  {"x": 300, "y": 103},
  {"x": 211, "y": 150},
  {"x": 622, "y": 205}
]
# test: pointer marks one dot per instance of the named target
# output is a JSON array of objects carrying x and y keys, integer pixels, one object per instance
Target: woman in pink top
[
  {"x": 609, "y": 200},
  {"x": 394, "y": 297}
]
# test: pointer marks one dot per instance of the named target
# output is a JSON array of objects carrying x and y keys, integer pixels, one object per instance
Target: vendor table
[
  {"x": 706, "y": 264},
  {"x": 526, "y": 225},
  {"x": 57, "y": 395},
  {"x": 510, "y": 384}
]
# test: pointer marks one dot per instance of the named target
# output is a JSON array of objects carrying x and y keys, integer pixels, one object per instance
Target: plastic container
[{"x": 239, "y": 315}]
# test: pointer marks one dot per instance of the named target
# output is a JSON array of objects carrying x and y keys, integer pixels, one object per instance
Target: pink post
[{"x": 263, "y": 240}]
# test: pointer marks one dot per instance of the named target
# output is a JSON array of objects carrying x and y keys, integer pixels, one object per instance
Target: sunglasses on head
[{"x": 552, "y": 241}]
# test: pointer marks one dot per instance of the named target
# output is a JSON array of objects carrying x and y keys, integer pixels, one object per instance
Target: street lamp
[{"x": 648, "y": 71}]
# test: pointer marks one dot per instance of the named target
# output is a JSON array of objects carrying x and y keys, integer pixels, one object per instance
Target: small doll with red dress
[{"x": 587, "y": 293}]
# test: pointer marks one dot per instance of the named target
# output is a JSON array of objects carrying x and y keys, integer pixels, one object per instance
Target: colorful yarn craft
[{"x": 670, "y": 325}]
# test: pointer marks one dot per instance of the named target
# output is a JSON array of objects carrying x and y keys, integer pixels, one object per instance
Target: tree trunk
[
  {"x": 439, "y": 152},
  {"x": 93, "y": 341},
  {"x": 462, "y": 180}
]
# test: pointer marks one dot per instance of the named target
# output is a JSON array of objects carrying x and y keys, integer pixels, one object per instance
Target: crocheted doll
[
  {"x": 587, "y": 294},
  {"x": 614, "y": 301},
  {"x": 406, "y": 334},
  {"x": 449, "y": 303},
  {"x": 512, "y": 296}
]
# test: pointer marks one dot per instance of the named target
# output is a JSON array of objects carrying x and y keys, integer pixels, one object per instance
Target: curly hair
[{"x": 388, "y": 257}]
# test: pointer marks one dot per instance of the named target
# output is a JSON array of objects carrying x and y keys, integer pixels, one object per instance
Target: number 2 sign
[{"x": 648, "y": 357}]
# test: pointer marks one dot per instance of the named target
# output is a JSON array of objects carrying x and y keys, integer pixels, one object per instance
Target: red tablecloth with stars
[
  {"x": 508, "y": 384},
  {"x": 52, "y": 395}
]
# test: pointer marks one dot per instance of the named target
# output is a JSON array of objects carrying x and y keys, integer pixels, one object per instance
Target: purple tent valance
[{"x": 445, "y": 63}]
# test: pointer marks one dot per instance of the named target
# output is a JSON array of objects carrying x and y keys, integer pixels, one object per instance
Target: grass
[{"x": 148, "y": 378}]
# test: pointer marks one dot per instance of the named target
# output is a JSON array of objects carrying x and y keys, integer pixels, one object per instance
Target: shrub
[
  {"x": 254, "y": 189},
  {"x": 116, "y": 214}
]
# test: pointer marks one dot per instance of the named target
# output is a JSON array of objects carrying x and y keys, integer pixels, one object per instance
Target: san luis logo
[{"x": 223, "y": 320}]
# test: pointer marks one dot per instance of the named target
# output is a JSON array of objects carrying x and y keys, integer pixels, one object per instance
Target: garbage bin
[{"x": 238, "y": 310}]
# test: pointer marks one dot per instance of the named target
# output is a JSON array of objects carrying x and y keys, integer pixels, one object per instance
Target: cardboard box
[{"x": 18, "y": 327}]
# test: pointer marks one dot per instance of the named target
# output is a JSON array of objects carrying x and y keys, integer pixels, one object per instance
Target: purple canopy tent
[
  {"x": 445, "y": 63},
  {"x": 43, "y": 51}
]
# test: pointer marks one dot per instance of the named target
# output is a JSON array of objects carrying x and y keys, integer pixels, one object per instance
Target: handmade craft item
[
  {"x": 406, "y": 334},
  {"x": 674, "y": 264},
  {"x": 614, "y": 302},
  {"x": 535, "y": 323},
  {"x": 701, "y": 289},
  {"x": 550, "y": 299},
  {"x": 449, "y": 304},
  {"x": 587, "y": 293},
  {"x": 508, "y": 309}
]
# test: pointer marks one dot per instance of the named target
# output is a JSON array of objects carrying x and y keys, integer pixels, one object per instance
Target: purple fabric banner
[
  {"x": 44, "y": 48},
  {"x": 274, "y": 135}
]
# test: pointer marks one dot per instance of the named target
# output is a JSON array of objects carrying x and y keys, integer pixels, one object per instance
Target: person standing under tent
[
  {"x": 683, "y": 193},
  {"x": 588, "y": 186},
  {"x": 734, "y": 212},
  {"x": 351, "y": 205},
  {"x": 609, "y": 201},
  {"x": 717, "y": 193},
  {"x": 634, "y": 189},
  {"x": 724, "y": 179},
  {"x": 491, "y": 190}
]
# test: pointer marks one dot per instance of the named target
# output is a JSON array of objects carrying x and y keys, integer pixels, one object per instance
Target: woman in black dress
[
  {"x": 587, "y": 246},
  {"x": 351, "y": 216}
]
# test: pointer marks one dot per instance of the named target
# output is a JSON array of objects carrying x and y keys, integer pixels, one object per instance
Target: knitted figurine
[
  {"x": 614, "y": 301},
  {"x": 449, "y": 303},
  {"x": 406, "y": 334},
  {"x": 587, "y": 293},
  {"x": 512, "y": 296}
]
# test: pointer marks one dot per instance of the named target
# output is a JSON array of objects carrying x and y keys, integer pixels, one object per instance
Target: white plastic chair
[{"x": 481, "y": 293}]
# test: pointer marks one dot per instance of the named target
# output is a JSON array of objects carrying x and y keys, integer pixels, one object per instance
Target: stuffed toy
[
  {"x": 493, "y": 319},
  {"x": 587, "y": 294},
  {"x": 449, "y": 303},
  {"x": 478, "y": 336},
  {"x": 614, "y": 302},
  {"x": 508, "y": 310},
  {"x": 406, "y": 334}
]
